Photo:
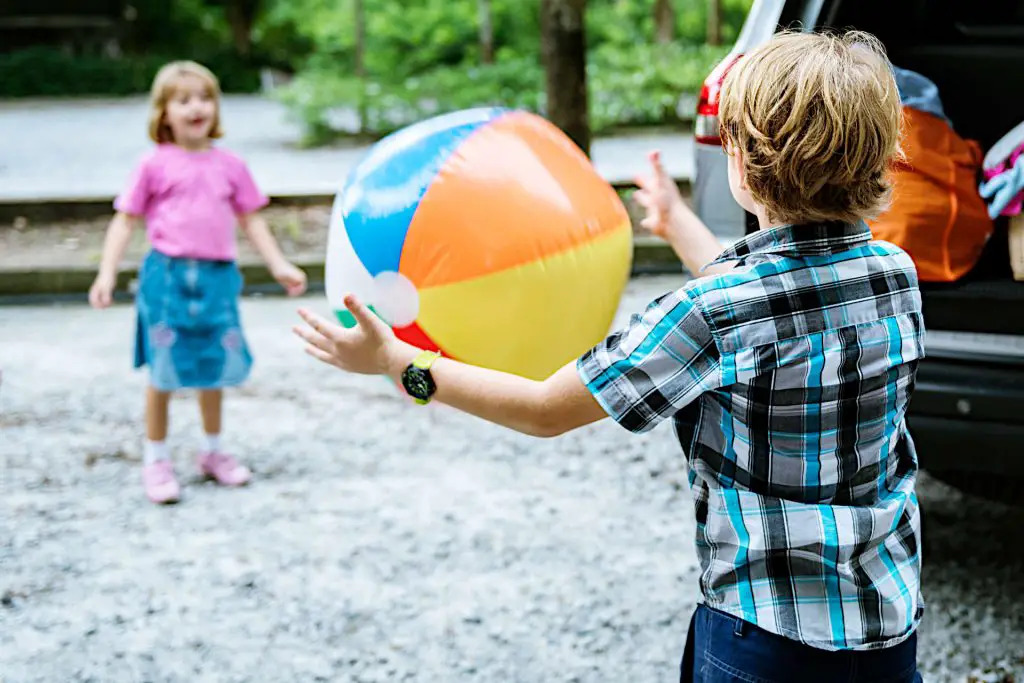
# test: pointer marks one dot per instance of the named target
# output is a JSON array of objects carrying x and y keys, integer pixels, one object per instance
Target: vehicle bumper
[{"x": 968, "y": 416}]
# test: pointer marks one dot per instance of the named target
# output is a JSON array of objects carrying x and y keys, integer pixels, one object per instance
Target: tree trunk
[
  {"x": 241, "y": 15},
  {"x": 564, "y": 46},
  {"x": 486, "y": 31},
  {"x": 359, "y": 49},
  {"x": 359, "y": 59},
  {"x": 714, "y": 22},
  {"x": 664, "y": 21}
]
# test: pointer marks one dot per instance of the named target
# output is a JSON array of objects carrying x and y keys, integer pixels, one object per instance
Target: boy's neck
[{"x": 763, "y": 222}]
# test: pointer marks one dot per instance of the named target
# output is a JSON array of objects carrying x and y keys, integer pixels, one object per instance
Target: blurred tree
[
  {"x": 241, "y": 18},
  {"x": 564, "y": 46},
  {"x": 359, "y": 30},
  {"x": 714, "y": 22},
  {"x": 359, "y": 58},
  {"x": 664, "y": 21},
  {"x": 486, "y": 31}
]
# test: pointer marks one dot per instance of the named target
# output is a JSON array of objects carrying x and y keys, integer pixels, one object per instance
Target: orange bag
[{"x": 937, "y": 215}]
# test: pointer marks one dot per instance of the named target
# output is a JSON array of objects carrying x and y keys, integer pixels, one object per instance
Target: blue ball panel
[{"x": 384, "y": 190}]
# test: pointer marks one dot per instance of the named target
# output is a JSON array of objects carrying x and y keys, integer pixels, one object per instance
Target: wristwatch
[{"x": 417, "y": 379}]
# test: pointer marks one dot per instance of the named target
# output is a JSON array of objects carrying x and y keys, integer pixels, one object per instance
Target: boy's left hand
[
  {"x": 369, "y": 348},
  {"x": 291, "y": 278}
]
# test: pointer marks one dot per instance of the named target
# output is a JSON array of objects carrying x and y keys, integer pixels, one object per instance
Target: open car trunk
[{"x": 974, "y": 52}]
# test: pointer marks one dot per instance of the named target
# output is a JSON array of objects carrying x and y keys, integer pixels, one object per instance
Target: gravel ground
[{"x": 379, "y": 541}]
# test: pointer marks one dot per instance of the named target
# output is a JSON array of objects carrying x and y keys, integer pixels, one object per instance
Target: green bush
[
  {"x": 634, "y": 87},
  {"x": 641, "y": 86},
  {"x": 402, "y": 38},
  {"x": 43, "y": 72},
  {"x": 421, "y": 58}
]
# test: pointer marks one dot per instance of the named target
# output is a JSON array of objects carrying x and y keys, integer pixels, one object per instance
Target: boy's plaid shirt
[{"x": 788, "y": 380}]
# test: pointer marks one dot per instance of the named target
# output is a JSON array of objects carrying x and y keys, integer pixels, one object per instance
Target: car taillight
[{"x": 706, "y": 128}]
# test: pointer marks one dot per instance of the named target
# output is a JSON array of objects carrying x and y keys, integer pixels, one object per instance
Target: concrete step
[
  {"x": 37, "y": 211},
  {"x": 39, "y": 285}
]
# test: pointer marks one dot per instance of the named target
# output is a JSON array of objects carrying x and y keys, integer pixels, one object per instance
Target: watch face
[{"x": 418, "y": 383}]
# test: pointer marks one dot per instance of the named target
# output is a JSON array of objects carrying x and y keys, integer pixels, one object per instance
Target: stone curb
[
  {"x": 40, "y": 211},
  {"x": 42, "y": 285}
]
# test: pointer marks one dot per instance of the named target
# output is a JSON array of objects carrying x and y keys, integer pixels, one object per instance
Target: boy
[{"x": 787, "y": 370}]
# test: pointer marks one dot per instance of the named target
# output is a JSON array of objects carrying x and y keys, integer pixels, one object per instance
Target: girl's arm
[
  {"x": 668, "y": 216},
  {"x": 119, "y": 234},
  {"x": 694, "y": 244},
  {"x": 291, "y": 278}
]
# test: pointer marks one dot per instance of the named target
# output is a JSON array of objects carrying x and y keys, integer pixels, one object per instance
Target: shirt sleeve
[
  {"x": 246, "y": 197},
  {"x": 135, "y": 197},
  {"x": 656, "y": 365}
]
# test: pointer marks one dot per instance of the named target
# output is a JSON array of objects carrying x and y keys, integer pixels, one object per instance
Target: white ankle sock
[
  {"x": 211, "y": 443},
  {"x": 155, "y": 451}
]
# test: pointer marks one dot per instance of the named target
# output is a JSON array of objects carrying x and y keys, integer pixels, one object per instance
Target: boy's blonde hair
[
  {"x": 816, "y": 119},
  {"x": 164, "y": 86}
]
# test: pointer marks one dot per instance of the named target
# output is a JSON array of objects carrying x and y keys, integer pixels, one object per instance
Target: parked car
[{"x": 967, "y": 416}]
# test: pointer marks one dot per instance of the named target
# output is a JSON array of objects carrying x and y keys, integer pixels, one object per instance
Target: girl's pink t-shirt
[{"x": 191, "y": 201}]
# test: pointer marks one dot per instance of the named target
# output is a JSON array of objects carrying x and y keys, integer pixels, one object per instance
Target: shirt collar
[{"x": 810, "y": 239}]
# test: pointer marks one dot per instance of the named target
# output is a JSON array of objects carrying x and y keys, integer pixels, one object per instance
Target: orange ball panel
[{"x": 473, "y": 221}]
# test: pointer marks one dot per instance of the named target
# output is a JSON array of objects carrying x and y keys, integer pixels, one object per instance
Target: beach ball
[{"x": 484, "y": 234}]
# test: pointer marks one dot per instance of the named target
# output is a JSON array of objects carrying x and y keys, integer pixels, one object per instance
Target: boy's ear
[{"x": 736, "y": 157}]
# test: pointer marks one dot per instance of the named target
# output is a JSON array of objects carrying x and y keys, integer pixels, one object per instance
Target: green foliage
[
  {"x": 160, "y": 31},
  {"x": 421, "y": 58},
  {"x": 402, "y": 38},
  {"x": 389, "y": 105},
  {"x": 628, "y": 87},
  {"x": 44, "y": 71},
  {"x": 641, "y": 85}
]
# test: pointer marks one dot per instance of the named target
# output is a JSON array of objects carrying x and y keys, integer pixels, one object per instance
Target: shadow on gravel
[{"x": 964, "y": 530}]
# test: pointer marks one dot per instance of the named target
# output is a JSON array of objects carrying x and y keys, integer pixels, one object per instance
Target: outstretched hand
[
  {"x": 292, "y": 278},
  {"x": 659, "y": 197},
  {"x": 369, "y": 348},
  {"x": 101, "y": 293}
]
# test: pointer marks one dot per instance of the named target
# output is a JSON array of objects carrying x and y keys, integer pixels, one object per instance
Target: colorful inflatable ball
[{"x": 485, "y": 234}]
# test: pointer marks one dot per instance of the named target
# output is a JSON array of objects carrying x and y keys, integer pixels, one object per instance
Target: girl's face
[{"x": 190, "y": 112}]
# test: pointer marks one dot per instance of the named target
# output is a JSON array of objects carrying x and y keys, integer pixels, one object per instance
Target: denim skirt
[{"x": 188, "y": 328}]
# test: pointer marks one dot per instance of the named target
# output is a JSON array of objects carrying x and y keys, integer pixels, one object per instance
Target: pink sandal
[
  {"x": 224, "y": 469},
  {"x": 159, "y": 483}
]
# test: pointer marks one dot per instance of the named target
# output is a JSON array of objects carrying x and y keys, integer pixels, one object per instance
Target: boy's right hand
[
  {"x": 659, "y": 196},
  {"x": 101, "y": 294}
]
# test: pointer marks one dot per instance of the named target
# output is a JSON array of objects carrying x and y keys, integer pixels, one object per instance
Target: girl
[{"x": 192, "y": 195}]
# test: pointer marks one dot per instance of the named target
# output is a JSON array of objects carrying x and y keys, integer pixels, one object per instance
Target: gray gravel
[{"x": 379, "y": 541}]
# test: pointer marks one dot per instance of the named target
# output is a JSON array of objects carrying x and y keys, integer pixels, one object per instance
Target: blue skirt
[{"x": 188, "y": 328}]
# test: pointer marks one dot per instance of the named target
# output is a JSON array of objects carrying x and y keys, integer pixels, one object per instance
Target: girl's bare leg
[
  {"x": 157, "y": 408},
  {"x": 158, "y": 476},
  {"x": 211, "y": 403},
  {"x": 213, "y": 462}
]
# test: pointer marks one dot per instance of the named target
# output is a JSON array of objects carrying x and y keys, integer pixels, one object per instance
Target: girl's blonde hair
[
  {"x": 165, "y": 85},
  {"x": 816, "y": 119}
]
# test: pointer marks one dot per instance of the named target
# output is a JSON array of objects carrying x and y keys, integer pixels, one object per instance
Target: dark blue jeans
[{"x": 723, "y": 649}]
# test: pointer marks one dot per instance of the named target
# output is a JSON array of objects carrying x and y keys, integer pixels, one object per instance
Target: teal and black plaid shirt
[{"x": 788, "y": 380}]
